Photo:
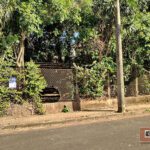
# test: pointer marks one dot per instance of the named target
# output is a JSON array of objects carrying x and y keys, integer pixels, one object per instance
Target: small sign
[
  {"x": 145, "y": 134},
  {"x": 13, "y": 83}
]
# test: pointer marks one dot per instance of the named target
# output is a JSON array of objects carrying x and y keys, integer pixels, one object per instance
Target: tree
[
  {"x": 29, "y": 21},
  {"x": 120, "y": 76},
  {"x": 42, "y": 30}
]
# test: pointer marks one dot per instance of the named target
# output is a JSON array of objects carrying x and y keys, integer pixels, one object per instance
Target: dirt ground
[{"x": 10, "y": 125}]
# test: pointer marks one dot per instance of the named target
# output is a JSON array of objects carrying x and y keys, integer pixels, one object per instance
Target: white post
[{"x": 120, "y": 76}]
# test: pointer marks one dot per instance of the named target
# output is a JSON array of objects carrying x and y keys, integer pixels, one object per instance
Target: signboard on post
[{"x": 13, "y": 83}]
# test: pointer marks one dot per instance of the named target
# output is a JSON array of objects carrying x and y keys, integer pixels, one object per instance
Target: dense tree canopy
[{"x": 45, "y": 30}]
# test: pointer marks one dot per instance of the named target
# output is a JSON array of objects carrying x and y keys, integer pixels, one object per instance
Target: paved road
[{"x": 114, "y": 135}]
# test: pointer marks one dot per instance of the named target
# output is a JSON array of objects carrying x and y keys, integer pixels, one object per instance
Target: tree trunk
[
  {"x": 108, "y": 86},
  {"x": 120, "y": 76},
  {"x": 20, "y": 57},
  {"x": 136, "y": 82},
  {"x": 136, "y": 87}
]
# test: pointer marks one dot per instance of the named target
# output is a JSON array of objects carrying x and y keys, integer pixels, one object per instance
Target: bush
[
  {"x": 144, "y": 84},
  {"x": 65, "y": 109},
  {"x": 7, "y": 95},
  {"x": 91, "y": 79},
  {"x": 30, "y": 83},
  {"x": 3, "y": 106},
  {"x": 38, "y": 107},
  {"x": 34, "y": 84}
]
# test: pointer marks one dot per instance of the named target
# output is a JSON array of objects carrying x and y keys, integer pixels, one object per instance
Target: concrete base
[{"x": 58, "y": 107}]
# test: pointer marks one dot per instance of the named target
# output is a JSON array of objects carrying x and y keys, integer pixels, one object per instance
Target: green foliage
[
  {"x": 135, "y": 38},
  {"x": 145, "y": 83},
  {"x": 6, "y": 9},
  {"x": 65, "y": 109},
  {"x": 29, "y": 85},
  {"x": 34, "y": 81},
  {"x": 147, "y": 110},
  {"x": 94, "y": 20},
  {"x": 8, "y": 95},
  {"x": 38, "y": 107},
  {"x": 91, "y": 79},
  {"x": 34, "y": 84},
  {"x": 29, "y": 18},
  {"x": 90, "y": 84},
  {"x": 3, "y": 107},
  {"x": 7, "y": 44}
]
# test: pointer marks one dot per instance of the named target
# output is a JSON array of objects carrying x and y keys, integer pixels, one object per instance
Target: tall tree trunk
[
  {"x": 120, "y": 77},
  {"x": 136, "y": 82},
  {"x": 20, "y": 57},
  {"x": 108, "y": 87},
  {"x": 136, "y": 87}
]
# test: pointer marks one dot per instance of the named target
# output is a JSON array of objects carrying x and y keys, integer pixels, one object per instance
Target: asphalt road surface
[{"x": 113, "y": 135}]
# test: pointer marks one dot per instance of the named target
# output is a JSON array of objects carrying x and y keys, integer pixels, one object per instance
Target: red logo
[{"x": 145, "y": 134}]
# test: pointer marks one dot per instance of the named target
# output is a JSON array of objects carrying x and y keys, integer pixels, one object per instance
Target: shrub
[
  {"x": 65, "y": 109},
  {"x": 34, "y": 84},
  {"x": 3, "y": 106},
  {"x": 38, "y": 107},
  {"x": 30, "y": 83},
  {"x": 145, "y": 84},
  {"x": 7, "y": 95},
  {"x": 91, "y": 79}
]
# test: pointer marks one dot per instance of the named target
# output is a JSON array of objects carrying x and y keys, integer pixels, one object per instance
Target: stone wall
[{"x": 58, "y": 107}]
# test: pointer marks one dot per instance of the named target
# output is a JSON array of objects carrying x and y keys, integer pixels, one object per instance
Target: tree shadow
[{"x": 99, "y": 110}]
